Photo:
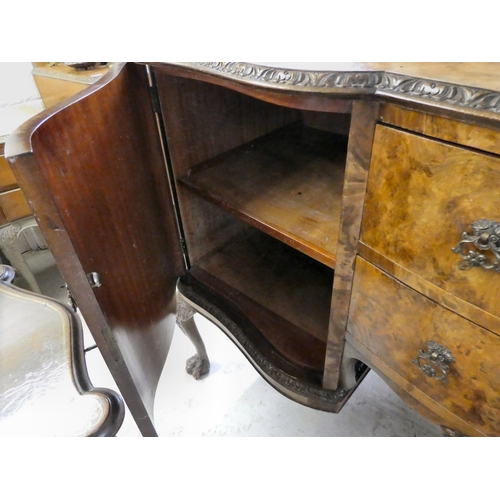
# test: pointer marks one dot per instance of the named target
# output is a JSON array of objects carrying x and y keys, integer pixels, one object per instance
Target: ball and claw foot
[
  {"x": 199, "y": 364},
  {"x": 197, "y": 367}
]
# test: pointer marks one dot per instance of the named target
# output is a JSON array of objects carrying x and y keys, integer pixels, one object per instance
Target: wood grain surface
[
  {"x": 356, "y": 173},
  {"x": 395, "y": 322},
  {"x": 422, "y": 195},
  {"x": 440, "y": 127}
]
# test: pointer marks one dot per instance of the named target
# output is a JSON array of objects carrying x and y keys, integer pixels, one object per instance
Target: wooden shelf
[
  {"x": 287, "y": 183},
  {"x": 284, "y": 293}
]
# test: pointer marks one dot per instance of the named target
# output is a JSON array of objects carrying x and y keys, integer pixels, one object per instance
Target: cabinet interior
[{"x": 259, "y": 189}]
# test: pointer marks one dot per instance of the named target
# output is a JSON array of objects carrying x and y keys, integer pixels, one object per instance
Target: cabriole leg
[{"x": 199, "y": 364}]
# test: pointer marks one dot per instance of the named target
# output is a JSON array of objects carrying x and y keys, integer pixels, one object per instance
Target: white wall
[
  {"x": 16, "y": 84},
  {"x": 19, "y": 96}
]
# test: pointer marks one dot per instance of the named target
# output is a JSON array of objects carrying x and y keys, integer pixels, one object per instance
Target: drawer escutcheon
[
  {"x": 436, "y": 357},
  {"x": 485, "y": 236}
]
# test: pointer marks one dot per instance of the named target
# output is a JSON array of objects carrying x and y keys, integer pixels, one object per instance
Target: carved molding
[
  {"x": 9, "y": 234},
  {"x": 184, "y": 311},
  {"x": 367, "y": 81}
]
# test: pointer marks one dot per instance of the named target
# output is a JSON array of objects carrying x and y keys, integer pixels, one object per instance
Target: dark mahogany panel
[{"x": 94, "y": 174}]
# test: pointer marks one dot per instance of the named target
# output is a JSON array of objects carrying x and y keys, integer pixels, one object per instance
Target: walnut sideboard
[{"x": 330, "y": 219}]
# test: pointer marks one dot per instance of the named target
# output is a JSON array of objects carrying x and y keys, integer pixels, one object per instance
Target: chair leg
[
  {"x": 9, "y": 247},
  {"x": 199, "y": 364}
]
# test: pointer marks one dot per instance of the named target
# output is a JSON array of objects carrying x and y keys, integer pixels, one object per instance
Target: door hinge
[
  {"x": 155, "y": 100},
  {"x": 156, "y": 106}
]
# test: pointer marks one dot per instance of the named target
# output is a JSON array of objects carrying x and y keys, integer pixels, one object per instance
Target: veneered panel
[
  {"x": 394, "y": 323},
  {"x": 422, "y": 195}
]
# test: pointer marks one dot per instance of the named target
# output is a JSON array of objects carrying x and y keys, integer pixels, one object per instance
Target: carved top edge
[{"x": 381, "y": 82}]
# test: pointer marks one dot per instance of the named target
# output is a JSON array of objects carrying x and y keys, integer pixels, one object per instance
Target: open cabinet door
[{"x": 92, "y": 169}]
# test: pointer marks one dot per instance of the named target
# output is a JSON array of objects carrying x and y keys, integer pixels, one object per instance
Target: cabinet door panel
[{"x": 93, "y": 171}]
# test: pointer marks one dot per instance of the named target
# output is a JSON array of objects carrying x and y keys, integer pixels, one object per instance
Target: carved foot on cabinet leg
[{"x": 199, "y": 364}]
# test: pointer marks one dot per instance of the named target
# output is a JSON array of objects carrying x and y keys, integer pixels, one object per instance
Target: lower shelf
[
  {"x": 224, "y": 309},
  {"x": 286, "y": 294}
]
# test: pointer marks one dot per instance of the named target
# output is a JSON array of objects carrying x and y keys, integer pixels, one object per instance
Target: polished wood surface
[
  {"x": 356, "y": 173},
  {"x": 99, "y": 190},
  {"x": 409, "y": 393},
  {"x": 437, "y": 294},
  {"x": 440, "y": 127},
  {"x": 378, "y": 318},
  {"x": 422, "y": 195},
  {"x": 287, "y": 184}
]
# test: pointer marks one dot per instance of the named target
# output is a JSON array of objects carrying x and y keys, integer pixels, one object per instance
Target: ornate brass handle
[
  {"x": 486, "y": 237},
  {"x": 437, "y": 357}
]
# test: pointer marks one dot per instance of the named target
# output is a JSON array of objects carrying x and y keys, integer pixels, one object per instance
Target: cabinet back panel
[{"x": 204, "y": 120}]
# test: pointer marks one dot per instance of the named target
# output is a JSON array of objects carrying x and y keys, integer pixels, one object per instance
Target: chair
[
  {"x": 44, "y": 385},
  {"x": 9, "y": 245}
]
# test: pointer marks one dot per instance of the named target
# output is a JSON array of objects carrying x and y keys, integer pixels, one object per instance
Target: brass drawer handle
[
  {"x": 485, "y": 236},
  {"x": 437, "y": 357}
]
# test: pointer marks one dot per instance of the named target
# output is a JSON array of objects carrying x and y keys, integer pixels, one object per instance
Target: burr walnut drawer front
[
  {"x": 448, "y": 358},
  {"x": 422, "y": 196}
]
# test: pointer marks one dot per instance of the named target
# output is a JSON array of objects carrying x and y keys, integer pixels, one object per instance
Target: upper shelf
[{"x": 287, "y": 183}]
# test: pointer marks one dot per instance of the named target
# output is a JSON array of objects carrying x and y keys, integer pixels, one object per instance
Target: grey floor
[{"x": 233, "y": 400}]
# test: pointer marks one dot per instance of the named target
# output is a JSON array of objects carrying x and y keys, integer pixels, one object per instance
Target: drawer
[
  {"x": 422, "y": 195},
  {"x": 395, "y": 323}
]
